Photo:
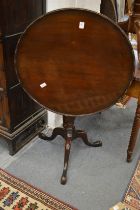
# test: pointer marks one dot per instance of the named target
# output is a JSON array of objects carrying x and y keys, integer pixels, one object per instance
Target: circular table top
[{"x": 74, "y": 62}]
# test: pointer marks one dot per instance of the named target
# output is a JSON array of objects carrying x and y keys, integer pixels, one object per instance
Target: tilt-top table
[{"x": 74, "y": 62}]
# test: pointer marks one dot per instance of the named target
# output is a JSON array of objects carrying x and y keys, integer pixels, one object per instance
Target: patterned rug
[
  {"x": 131, "y": 200},
  {"x": 132, "y": 195},
  {"x": 16, "y": 194}
]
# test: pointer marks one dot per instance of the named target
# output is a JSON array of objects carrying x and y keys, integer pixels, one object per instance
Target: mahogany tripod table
[{"x": 74, "y": 62}]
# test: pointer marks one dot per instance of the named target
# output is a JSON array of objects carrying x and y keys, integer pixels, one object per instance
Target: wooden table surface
[{"x": 74, "y": 62}]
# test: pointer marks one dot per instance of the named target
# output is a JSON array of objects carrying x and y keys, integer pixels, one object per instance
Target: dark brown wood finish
[
  {"x": 78, "y": 66},
  {"x": 133, "y": 91},
  {"x": 77, "y": 69},
  {"x": 18, "y": 14},
  {"x": 134, "y": 16},
  {"x": 20, "y": 117},
  {"x": 134, "y": 134}
]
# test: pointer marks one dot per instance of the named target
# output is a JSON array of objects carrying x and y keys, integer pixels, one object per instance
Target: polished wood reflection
[{"x": 83, "y": 70}]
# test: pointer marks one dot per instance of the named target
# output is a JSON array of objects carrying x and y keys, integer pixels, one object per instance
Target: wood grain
[{"x": 85, "y": 70}]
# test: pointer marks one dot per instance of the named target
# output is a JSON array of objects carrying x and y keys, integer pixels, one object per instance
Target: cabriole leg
[{"x": 134, "y": 134}]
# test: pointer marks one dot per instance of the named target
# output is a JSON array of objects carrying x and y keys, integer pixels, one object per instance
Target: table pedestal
[{"x": 69, "y": 133}]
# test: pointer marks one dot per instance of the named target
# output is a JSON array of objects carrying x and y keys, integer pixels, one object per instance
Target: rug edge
[{"x": 38, "y": 189}]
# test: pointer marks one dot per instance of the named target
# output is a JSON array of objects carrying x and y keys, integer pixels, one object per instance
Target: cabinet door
[
  {"x": 9, "y": 45},
  {"x": 1, "y": 81},
  {"x": 17, "y": 14},
  {"x": 21, "y": 106},
  {"x": 4, "y": 108}
]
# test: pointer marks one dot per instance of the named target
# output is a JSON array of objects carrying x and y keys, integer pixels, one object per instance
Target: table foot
[
  {"x": 55, "y": 133},
  {"x": 66, "y": 161},
  {"x": 81, "y": 134},
  {"x": 69, "y": 133}
]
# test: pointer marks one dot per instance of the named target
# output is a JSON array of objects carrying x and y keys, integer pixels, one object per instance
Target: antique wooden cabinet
[{"x": 20, "y": 117}]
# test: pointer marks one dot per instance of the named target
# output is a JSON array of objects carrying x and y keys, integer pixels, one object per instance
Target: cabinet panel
[
  {"x": 1, "y": 81},
  {"x": 4, "y": 106},
  {"x": 13, "y": 22},
  {"x": 9, "y": 45},
  {"x": 21, "y": 106},
  {"x": 1, "y": 56},
  {"x": 20, "y": 117},
  {"x": 1, "y": 68},
  {"x": 4, "y": 110}
]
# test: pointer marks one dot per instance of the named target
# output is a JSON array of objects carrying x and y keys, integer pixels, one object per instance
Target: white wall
[
  {"x": 56, "y": 4},
  {"x": 120, "y": 4},
  {"x": 88, "y": 4}
]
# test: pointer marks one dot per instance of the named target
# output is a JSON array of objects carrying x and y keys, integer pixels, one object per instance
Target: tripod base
[{"x": 69, "y": 133}]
